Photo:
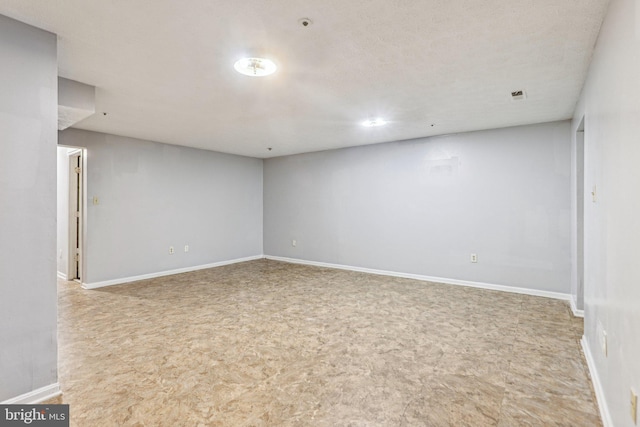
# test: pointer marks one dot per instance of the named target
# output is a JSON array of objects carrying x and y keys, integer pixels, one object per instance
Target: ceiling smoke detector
[
  {"x": 305, "y": 22},
  {"x": 255, "y": 67},
  {"x": 518, "y": 95}
]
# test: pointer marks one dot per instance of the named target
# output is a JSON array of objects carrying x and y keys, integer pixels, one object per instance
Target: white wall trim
[
  {"x": 36, "y": 396},
  {"x": 62, "y": 276},
  {"x": 167, "y": 273},
  {"x": 574, "y": 309},
  {"x": 597, "y": 385},
  {"x": 481, "y": 285}
]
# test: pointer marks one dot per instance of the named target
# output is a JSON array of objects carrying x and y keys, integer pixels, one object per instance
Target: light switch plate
[{"x": 634, "y": 406}]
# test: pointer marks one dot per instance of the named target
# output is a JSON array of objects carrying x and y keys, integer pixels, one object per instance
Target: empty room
[{"x": 338, "y": 213}]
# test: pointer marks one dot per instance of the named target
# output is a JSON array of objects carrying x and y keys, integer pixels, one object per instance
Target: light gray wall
[
  {"x": 76, "y": 102},
  {"x": 62, "y": 234},
  {"x": 153, "y": 195},
  {"x": 610, "y": 104},
  {"x": 423, "y": 206},
  {"x": 28, "y": 116},
  {"x": 76, "y": 95}
]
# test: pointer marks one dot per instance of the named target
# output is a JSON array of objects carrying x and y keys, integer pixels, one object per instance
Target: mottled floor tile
[
  {"x": 543, "y": 409},
  {"x": 266, "y": 343}
]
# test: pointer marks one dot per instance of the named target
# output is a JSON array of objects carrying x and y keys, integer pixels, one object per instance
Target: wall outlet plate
[
  {"x": 473, "y": 258},
  {"x": 171, "y": 250}
]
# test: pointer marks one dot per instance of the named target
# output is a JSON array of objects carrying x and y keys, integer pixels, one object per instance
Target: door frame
[
  {"x": 77, "y": 203},
  {"x": 581, "y": 200}
]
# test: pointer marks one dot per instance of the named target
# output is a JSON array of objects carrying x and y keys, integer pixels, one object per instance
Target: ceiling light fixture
[
  {"x": 374, "y": 122},
  {"x": 518, "y": 95},
  {"x": 255, "y": 67}
]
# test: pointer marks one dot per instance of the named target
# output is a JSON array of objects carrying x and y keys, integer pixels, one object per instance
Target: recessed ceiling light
[
  {"x": 374, "y": 122},
  {"x": 255, "y": 67}
]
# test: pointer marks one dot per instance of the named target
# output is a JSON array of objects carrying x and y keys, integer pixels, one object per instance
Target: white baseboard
[
  {"x": 574, "y": 309},
  {"x": 35, "y": 396},
  {"x": 597, "y": 385},
  {"x": 62, "y": 276},
  {"x": 119, "y": 281},
  {"x": 503, "y": 288}
]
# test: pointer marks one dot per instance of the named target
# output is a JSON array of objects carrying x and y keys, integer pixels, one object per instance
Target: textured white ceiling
[{"x": 164, "y": 68}]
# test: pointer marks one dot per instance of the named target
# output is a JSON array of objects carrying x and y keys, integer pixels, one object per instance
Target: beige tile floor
[{"x": 270, "y": 343}]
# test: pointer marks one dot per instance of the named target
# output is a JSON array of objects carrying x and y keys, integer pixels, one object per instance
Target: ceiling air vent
[{"x": 518, "y": 95}]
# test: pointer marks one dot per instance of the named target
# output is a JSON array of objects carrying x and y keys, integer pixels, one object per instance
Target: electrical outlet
[
  {"x": 294, "y": 243},
  {"x": 96, "y": 200},
  {"x": 186, "y": 248},
  {"x": 634, "y": 407},
  {"x": 171, "y": 250},
  {"x": 474, "y": 258}
]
